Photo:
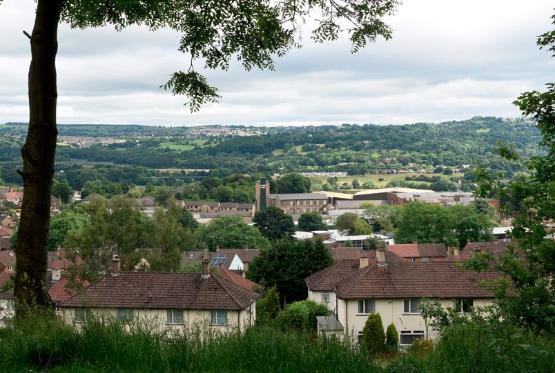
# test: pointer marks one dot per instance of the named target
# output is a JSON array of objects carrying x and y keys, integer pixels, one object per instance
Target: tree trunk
[{"x": 38, "y": 154}]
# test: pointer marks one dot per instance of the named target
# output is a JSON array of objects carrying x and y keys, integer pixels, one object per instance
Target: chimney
[
  {"x": 363, "y": 261},
  {"x": 380, "y": 256},
  {"x": 116, "y": 264},
  {"x": 205, "y": 265},
  {"x": 453, "y": 251}
]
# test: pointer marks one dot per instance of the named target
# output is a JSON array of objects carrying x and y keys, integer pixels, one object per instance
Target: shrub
[
  {"x": 373, "y": 337},
  {"x": 391, "y": 338},
  {"x": 267, "y": 307},
  {"x": 301, "y": 316},
  {"x": 421, "y": 347}
]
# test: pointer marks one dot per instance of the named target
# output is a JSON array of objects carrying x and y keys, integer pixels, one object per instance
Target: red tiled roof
[
  {"x": 495, "y": 248},
  {"x": 59, "y": 291},
  {"x": 238, "y": 279},
  {"x": 405, "y": 250},
  {"x": 345, "y": 253},
  {"x": 5, "y": 243},
  {"x": 389, "y": 256},
  {"x": 13, "y": 195},
  {"x": 156, "y": 290},
  {"x": 327, "y": 278},
  {"x": 7, "y": 257},
  {"x": 5, "y": 232},
  {"x": 421, "y": 279},
  {"x": 432, "y": 250}
]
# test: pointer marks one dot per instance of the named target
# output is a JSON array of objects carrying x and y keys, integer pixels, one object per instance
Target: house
[
  {"x": 296, "y": 204},
  {"x": 494, "y": 248},
  {"x": 146, "y": 205},
  {"x": 13, "y": 196},
  {"x": 394, "y": 290},
  {"x": 5, "y": 243},
  {"x": 167, "y": 301},
  {"x": 419, "y": 252},
  {"x": 5, "y": 232},
  {"x": 230, "y": 261},
  {"x": 245, "y": 255},
  {"x": 59, "y": 291},
  {"x": 7, "y": 260},
  {"x": 201, "y": 206},
  {"x": 8, "y": 222}
]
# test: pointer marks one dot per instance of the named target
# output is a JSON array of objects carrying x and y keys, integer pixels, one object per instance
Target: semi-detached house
[{"x": 354, "y": 289}]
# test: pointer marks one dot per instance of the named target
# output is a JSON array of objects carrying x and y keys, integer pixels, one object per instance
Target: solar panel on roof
[{"x": 217, "y": 261}]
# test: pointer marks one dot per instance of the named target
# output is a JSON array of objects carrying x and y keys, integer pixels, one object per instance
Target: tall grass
[{"x": 40, "y": 344}]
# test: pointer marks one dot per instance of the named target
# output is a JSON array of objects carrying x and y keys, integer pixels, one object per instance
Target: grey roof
[
  {"x": 329, "y": 324},
  {"x": 295, "y": 196}
]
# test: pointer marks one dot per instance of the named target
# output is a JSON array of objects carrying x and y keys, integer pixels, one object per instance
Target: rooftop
[{"x": 159, "y": 290}]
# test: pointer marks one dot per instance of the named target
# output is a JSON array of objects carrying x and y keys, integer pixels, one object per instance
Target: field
[
  {"x": 183, "y": 147},
  {"x": 379, "y": 180}
]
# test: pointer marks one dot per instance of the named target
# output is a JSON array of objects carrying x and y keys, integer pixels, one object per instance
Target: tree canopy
[
  {"x": 273, "y": 223},
  {"x": 229, "y": 232}
]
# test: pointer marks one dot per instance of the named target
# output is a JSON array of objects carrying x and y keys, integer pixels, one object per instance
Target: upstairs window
[
  {"x": 366, "y": 306},
  {"x": 412, "y": 305},
  {"x": 464, "y": 305},
  {"x": 218, "y": 317},
  {"x": 125, "y": 314},
  {"x": 175, "y": 317},
  {"x": 325, "y": 298},
  {"x": 82, "y": 314}
]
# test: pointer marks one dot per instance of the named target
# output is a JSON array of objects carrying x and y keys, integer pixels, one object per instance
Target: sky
[{"x": 447, "y": 60}]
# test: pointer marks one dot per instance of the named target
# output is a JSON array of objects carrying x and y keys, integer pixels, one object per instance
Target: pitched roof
[
  {"x": 495, "y": 248},
  {"x": 246, "y": 255},
  {"x": 294, "y": 196},
  {"x": 5, "y": 232},
  {"x": 421, "y": 279},
  {"x": 405, "y": 250},
  {"x": 238, "y": 279},
  {"x": 5, "y": 276},
  {"x": 432, "y": 250},
  {"x": 217, "y": 259},
  {"x": 13, "y": 195},
  {"x": 59, "y": 291},
  {"x": 7, "y": 257},
  {"x": 5, "y": 243},
  {"x": 327, "y": 278},
  {"x": 345, "y": 253},
  {"x": 158, "y": 290}
]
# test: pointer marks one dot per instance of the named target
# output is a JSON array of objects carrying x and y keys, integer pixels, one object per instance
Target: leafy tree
[
  {"x": 62, "y": 190},
  {"x": 356, "y": 184},
  {"x": 373, "y": 243},
  {"x": 229, "y": 232},
  {"x": 162, "y": 195},
  {"x": 310, "y": 221},
  {"x": 530, "y": 200},
  {"x": 268, "y": 307},
  {"x": 368, "y": 185},
  {"x": 222, "y": 193},
  {"x": 187, "y": 220},
  {"x": 60, "y": 224},
  {"x": 391, "y": 338},
  {"x": 274, "y": 224},
  {"x": 362, "y": 227},
  {"x": 301, "y": 316},
  {"x": 286, "y": 264},
  {"x": 253, "y": 31},
  {"x": 382, "y": 217},
  {"x": 372, "y": 341},
  {"x": 346, "y": 222},
  {"x": 293, "y": 183}
]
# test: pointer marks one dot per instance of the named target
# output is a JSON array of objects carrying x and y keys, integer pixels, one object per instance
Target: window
[
  {"x": 125, "y": 314},
  {"x": 175, "y": 317},
  {"x": 325, "y": 298},
  {"x": 218, "y": 317},
  {"x": 365, "y": 306},
  {"x": 82, "y": 314},
  {"x": 412, "y": 305},
  {"x": 464, "y": 305},
  {"x": 408, "y": 337}
]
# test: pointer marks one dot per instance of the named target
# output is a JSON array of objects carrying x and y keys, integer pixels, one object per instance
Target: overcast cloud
[{"x": 448, "y": 59}]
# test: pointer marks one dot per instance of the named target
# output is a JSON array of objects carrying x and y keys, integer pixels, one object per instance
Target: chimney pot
[
  {"x": 116, "y": 264},
  {"x": 205, "y": 265},
  {"x": 380, "y": 256}
]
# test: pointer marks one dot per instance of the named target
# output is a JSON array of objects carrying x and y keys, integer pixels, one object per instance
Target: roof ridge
[{"x": 218, "y": 278}]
